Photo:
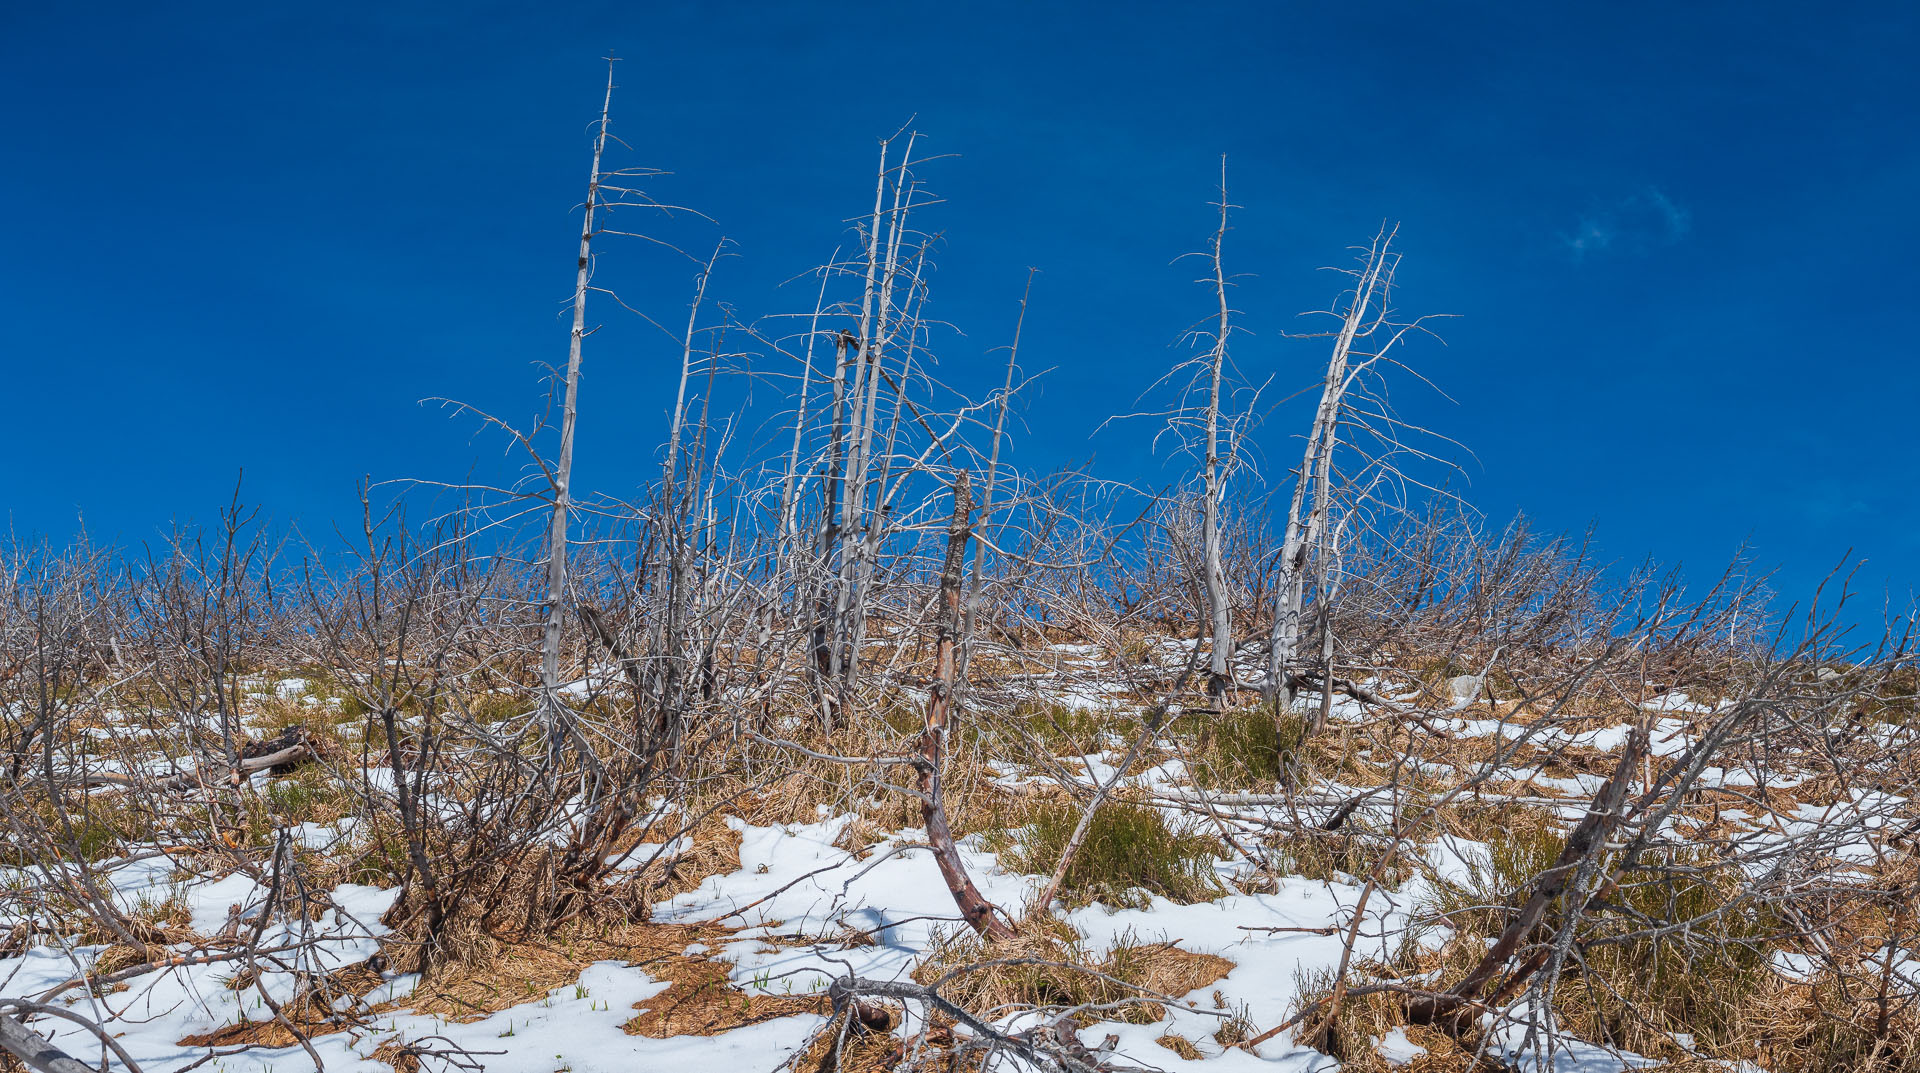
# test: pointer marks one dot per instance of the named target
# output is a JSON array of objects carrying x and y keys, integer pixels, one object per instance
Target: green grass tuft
[
  {"x": 1245, "y": 748},
  {"x": 1130, "y": 852}
]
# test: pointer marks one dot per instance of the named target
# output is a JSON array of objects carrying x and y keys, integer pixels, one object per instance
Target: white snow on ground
[
  {"x": 792, "y": 882},
  {"x": 1083, "y": 697},
  {"x": 1673, "y": 702},
  {"x": 1396, "y": 1048},
  {"x": 1604, "y": 740},
  {"x": 795, "y": 884},
  {"x": 1559, "y": 1053}
]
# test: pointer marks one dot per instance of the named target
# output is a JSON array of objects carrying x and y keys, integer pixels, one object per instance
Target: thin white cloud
[
  {"x": 1633, "y": 224},
  {"x": 1593, "y": 235},
  {"x": 1678, "y": 220}
]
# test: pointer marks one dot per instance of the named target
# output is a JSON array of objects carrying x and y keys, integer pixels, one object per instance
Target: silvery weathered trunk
[
  {"x": 1312, "y": 497},
  {"x": 1219, "y": 676},
  {"x": 552, "y": 709}
]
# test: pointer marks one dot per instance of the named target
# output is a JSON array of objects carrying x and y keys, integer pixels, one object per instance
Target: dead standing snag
[{"x": 974, "y": 907}]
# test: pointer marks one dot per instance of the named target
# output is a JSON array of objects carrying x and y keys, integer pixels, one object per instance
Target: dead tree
[
  {"x": 1199, "y": 421},
  {"x": 1219, "y": 613},
  {"x": 974, "y": 908},
  {"x": 1367, "y": 334},
  {"x": 37, "y": 1053},
  {"x": 993, "y": 480},
  {"x": 1579, "y": 862},
  {"x": 879, "y": 323},
  {"x": 553, "y": 709}
]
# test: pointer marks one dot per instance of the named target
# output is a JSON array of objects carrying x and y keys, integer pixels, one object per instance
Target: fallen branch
[
  {"x": 284, "y": 752},
  {"x": 1587, "y": 839},
  {"x": 39, "y": 1053}
]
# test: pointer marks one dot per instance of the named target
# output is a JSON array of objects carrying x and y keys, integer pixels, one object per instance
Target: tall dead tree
[
  {"x": 1199, "y": 422},
  {"x": 1219, "y": 613},
  {"x": 993, "y": 478},
  {"x": 878, "y": 325},
  {"x": 862, "y": 429},
  {"x": 825, "y": 638},
  {"x": 789, "y": 506},
  {"x": 1365, "y": 316},
  {"x": 553, "y": 709}
]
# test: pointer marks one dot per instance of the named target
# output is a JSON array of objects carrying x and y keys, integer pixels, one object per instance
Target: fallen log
[
  {"x": 38, "y": 1053},
  {"x": 33, "y": 1049},
  {"x": 278, "y": 756}
]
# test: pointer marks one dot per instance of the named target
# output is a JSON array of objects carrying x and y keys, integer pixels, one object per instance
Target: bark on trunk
[
  {"x": 1306, "y": 521},
  {"x": 1588, "y": 838},
  {"x": 35, "y": 1052},
  {"x": 552, "y": 708},
  {"x": 974, "y": 907},
  {"x": 1219, "y": 677}
]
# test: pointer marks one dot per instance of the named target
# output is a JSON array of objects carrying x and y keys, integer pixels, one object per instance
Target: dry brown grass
[
  {"x": 523, "y": 971},
  {"x": 1362, "y": 1021},
  {"x": 846, "y": 1045},
  {"x": 1054, "y": 969},
  {"x": 714, "y": 850},
  {"x": 401, "y": 1057},
  {"x": 153, "y": 928},
  {"x": 1180, "y": 1045},
  {"x": 311, "y": 1014},
  {"x": 1807, "y": 1028},
  {"x": 858, "y": 837},
  {"x": 806, "y": 789},
  {"x": 257, "y": 1034},
  {"x": 700, "y": 1000}
]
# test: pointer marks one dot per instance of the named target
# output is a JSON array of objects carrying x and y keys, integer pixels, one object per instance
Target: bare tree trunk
[
  {"x": 881, "y": 511},
  {"x": 1329, "y": 586},
  {"x": 993, "y": 478},
  {"x": 974, "y": 908},
  {"x": 1306, "y": 522},
  {"x": 551, "y": 706},
  {"x": 826, "y": 620},
  {"x": 848, "y": 447},
  {"x": 35, "y": 1052},
  {"x": 789, "y": 522},
  {"x": 677, "y": 508},
  {"x": 1219, "y": 678},
  {"x": 686, "y": 372},
  {"x": 876, "y": 308}
]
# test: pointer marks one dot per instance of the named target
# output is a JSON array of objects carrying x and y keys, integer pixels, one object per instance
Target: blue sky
[{"x": 1677, "y": 239}]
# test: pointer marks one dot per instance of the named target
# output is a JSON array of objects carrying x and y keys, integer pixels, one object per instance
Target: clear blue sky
[{"x": 1678, "y": 238}]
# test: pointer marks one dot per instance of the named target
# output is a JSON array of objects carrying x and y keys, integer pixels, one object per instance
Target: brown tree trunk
[
  {"x": 1588, "y": 838},
  {"x": 974, "y": 908}
]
